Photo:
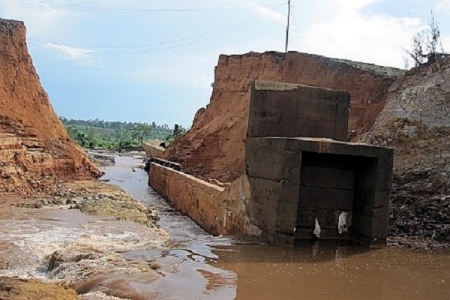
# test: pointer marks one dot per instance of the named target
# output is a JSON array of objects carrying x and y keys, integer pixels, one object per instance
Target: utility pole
[{"x": 287, "y": 29}]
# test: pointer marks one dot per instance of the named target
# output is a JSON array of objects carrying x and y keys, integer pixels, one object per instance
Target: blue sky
[{"x": 153, "y": 61}]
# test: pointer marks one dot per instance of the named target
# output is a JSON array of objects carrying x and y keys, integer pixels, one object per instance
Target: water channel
[
  {"x": 195, "y": 265},
  {"x": 223, "y": 268}
]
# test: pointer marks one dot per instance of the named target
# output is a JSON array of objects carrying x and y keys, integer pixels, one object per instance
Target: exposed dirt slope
[
  {"x": 34, "y": 146},
  {"x": 416, "y": 122},
  {"x": 214, "y": 147}
]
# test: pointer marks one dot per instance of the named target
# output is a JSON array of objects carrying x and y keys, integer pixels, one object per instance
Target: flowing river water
[{"x": 195, "y": 265}]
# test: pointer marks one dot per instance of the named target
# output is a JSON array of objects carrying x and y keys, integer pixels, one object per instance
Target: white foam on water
[
  {"x": 184, "y": 268},
  {"x": 35, "y": 239}
]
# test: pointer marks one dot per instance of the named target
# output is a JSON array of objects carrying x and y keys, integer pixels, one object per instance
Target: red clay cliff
[{"x": 35, "y": 149}]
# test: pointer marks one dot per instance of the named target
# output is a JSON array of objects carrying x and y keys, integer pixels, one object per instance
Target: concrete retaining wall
[
  {"x": 153, "y": 148},
  {"x": 216, "y": 209}
]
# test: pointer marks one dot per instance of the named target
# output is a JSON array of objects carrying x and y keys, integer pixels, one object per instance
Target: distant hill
[{"x": 114, "y": 135}]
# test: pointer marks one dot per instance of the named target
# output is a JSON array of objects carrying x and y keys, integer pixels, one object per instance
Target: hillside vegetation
[{"x": 116, "y": 135}]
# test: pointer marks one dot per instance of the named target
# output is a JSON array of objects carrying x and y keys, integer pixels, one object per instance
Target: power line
[
  {"x": 143, "y": 10},
  {"x": 152, "y": 50},
  {"x": 222, "y": 32},
  {"x": 207, "y": 36},
  {"x": 178, "y": 46},
  {"x": 325, "y": 35},
  {"x": 297, "y": 32},
  {"x": 147, "y": 45}
]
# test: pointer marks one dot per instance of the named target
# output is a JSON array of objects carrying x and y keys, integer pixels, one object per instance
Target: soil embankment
[
  {"x": 35, "y": 150},
  {"x": 214, "y": 147},
  {"x": 415, "y": 122}
]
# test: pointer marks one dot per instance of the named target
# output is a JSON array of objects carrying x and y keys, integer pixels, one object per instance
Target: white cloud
[
  {"x": 42, "y": 20},
  {"x": 49, "y": 22},
  {"x": 186, "y": 70},
  {"x": 269, "y": 13},
  {"x": 348, "y": 33},
  {"x": 443, "y": 5},
  {"x": 80, "y": 55},
  {"x": 259, "y": 9},
  {"x": 350, "y": 5},
  {"x": 445, "y": 38}
]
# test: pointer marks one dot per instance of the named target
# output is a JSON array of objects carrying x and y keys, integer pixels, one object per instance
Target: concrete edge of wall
[
  {"x": 152, "y": 150},
  {"x": 218, "y": 210}
]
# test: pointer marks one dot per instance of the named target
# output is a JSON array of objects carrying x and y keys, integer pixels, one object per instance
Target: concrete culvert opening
[{"x": 333, "y": 187}]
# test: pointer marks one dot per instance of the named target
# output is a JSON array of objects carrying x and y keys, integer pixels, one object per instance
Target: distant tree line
[{"x": 116, "y": 135}]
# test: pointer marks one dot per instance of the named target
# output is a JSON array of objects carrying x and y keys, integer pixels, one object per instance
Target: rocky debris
[
  {"x": 58, "y": 259},
  {"x": 215, "y": 145},
  {"x": 133, "y": 153},
  {"x": 420, "y": 210},
  {"x": 102, "y": 159},
  {"x": 75, "y": 268},
  {"x": 35, "y": 149},
  {"x": 107, "y": 200},
  {"x": 120, "y": 206},
  {"x": 95, "y": 198},
  {"x": 415, "y": 123}
]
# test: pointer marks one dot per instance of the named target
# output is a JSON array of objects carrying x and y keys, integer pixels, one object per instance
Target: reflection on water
[
  {"x": 187, "y": 275},
  {"x": 320, "y": 270},
  {"x": 337, "y": 272},
  {"x": 186, "y": 264}
]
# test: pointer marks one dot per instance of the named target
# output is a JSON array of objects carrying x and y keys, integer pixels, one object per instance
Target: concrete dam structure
[
  {"x": 300, "y": 174},
  {"x": 301, "y": 169}
]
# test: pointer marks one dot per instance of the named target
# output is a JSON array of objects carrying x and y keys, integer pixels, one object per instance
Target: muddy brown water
[
  {"x": 195, "y": 265},
  {"x": 222, "y": 268}
]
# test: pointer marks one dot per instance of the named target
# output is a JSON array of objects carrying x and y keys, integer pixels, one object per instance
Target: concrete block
[
  {"x": 265, "y": 201},
  {"x": 292, "y": 166},
  {"x": 266, "y": 160},
  {"x": 287, "y": 110}
]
